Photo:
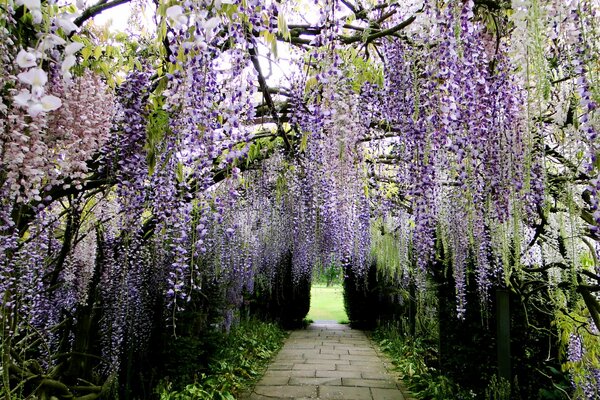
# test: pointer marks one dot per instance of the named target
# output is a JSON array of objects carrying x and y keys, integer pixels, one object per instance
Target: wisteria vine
[{"x": 417, "y": 135}]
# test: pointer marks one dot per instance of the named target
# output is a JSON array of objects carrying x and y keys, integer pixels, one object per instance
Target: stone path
[{"x": 328, "y": 361}]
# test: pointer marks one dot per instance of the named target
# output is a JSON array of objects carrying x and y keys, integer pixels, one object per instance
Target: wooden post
[{"x": 503, "y": 333}]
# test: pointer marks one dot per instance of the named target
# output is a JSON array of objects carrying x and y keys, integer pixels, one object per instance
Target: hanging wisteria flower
[
  {"x": 37, "y": 104},
  {"x": 73, "y": 48},
  {"x": 34, "y": 6},
  {"x": 65, "y": 22},
  {"x": 177, "y": 17},
  {"x": 49, "y": 41},
  {"x": 133, "y": 214},
  {"x": 70, "y": 59},
  {"x": 37, "y": 78},
  {"x": 27, "y": 59},
  {"x": 35, "y": 100}
]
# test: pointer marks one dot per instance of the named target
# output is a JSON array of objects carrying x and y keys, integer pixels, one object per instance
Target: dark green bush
[
  {"x": 370, "y": 298},
  {"x": 412, "y": 360},
  {"x": 233, "y": 363},
  {"x": 468, "y": 349},
  {"x": 284, "y": 298}
]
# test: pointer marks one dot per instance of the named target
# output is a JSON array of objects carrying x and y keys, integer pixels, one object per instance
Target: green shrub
[
  {"x": 283, "y": 298},
  {"x": 369, "y": 298},
  {"x": 498, "y": 389},
  {"x": 237, "y": 361},
  {"x": 410, "y": 357},
  {"x": 328, "y": 275}
]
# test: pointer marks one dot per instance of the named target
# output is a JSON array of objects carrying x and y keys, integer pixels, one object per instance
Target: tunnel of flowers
[{"x": 200, "y": 165}]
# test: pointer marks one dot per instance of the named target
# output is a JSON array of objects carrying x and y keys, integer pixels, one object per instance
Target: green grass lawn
[{"x": 327, "y": 303}]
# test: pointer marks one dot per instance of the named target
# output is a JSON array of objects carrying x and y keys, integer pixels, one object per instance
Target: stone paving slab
[
  {"x": 290, "y": 373},
  {"x": 328, "y": 361}
]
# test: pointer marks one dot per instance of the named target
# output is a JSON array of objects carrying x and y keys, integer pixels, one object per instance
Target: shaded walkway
[{"x": 328, "y": 361}]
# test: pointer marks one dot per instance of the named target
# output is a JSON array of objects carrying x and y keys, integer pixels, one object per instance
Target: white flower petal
[
  {"x": 182, "y": 20},
  {"x": 35, "y": 109},
  {"x": 66, "y": 25},
  {"x": 176, "y": 16},
  {"x": 37, "y": 16},
  {"x": 33, "y": 4},
  {"x": 34, "y": 77},
  {"x": 37, "y": 91},
  {"x": 50, "y": 41},
  {"x": 26, "y": 59},
  {"x": 73, "y": 48},
  {"x": 212, "y": 23},
  {"x": 174, "y": 12},
  {"x": 50, "y": 103},
  {"x": 67, "y": 63},
  {"x": 22, "y": 99}
]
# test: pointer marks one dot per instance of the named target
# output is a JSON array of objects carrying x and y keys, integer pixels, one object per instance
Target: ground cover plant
[
  {"x": 237, "y": 360},
  {"x": 414, "y": 362},
  {"x": 206, "y": 164}
]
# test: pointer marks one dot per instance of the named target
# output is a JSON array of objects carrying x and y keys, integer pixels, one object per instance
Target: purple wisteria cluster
[
  {"x": 126, "y": 154},
  {"x": 332, "y": 214},
  {"x": 585, "y": 376},
  {"x": 585, "y": 31},
  {"x": 210, "y": 98},
  {"x": 126, "y": 272},
  {"x": 28, "y": 306},
  {"x": 456, "y": 135}
]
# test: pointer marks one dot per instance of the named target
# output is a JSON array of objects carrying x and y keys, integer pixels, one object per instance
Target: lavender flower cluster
[{"x": 457, "y": 142}]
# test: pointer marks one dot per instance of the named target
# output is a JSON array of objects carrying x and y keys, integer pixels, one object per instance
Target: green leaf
[
  {"x": 283, "y": 28},
  {"x": 179, "y": 172},
  {"x": 304, "y": 142},
  {"x": 86, "y": 52},
  {"x": 98, "y": 52}
]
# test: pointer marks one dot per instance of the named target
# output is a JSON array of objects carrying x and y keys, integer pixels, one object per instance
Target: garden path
[{"x": 328, "y": 360}]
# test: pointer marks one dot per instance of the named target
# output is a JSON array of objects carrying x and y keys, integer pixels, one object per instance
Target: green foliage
[
  {"x": 411, "y": 357},
  {"x": 282, "y": 298},
  {"x": 237, "y": 361},
  {"x": 189, "y": 392},
  {"x": 574, "y": 323},
  {"x": 158, "y": 125},
  {"x": 361, "y": 70},
  {"x": 385, "y": 248},
  {"x": 370, "y": 297},
  {"x": 498, "y": 389},
  {"x": 262, "y": 148},
  {"x": 328, "y": 275},
  {"x": 113, "y": 54}
]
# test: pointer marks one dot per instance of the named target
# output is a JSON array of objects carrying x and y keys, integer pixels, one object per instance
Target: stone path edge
[{"x": 389, "y": 366}]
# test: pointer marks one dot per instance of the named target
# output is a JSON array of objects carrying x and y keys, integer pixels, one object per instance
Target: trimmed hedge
[
  {"x": 369, "y": 298},
  {"x": 284, "y": 299}
]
